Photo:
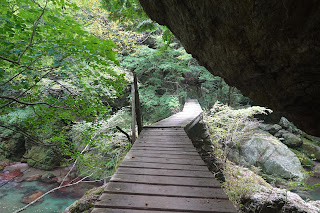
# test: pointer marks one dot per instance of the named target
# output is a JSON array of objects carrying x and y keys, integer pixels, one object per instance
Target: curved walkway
[{"x": 164, "y": 173}]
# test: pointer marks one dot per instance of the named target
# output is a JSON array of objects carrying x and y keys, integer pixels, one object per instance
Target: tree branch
[
  {"x": 52, "y": 190},
  {"x": 23, "y": 102},
  {"x": 22, "y": 71},
  {"x": 10, "y": 102},
  {"x": 35, "y": 25},
  {"x": 9, "y": 60},
  {"x": 126, "y": 134},
  {"x": 73, "y": 165},
  {"x": 26, "y": 135}
]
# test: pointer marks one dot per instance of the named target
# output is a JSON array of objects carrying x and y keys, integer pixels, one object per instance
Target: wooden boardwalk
[{"x": 163, "y": 172}]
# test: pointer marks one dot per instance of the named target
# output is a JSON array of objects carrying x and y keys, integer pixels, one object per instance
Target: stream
[{"x": 13, "y": 192}]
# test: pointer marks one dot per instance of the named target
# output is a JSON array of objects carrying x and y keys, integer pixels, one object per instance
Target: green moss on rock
[
  {"x": 304, "y": 159},
  {"x": 311, "y": 149},
  {"x": 42, "y": 157},
  {"x": 86, "y": 203}
]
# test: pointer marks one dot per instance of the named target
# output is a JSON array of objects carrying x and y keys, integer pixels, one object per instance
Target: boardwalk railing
[{"x": 164, "y": 173}]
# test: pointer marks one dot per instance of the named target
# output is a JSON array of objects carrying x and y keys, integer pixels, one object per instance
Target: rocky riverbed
[{"x": 21, "y": 184}]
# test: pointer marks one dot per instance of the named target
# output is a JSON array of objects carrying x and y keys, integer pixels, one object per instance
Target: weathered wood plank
[
  {"x": 168, "y": 145},
  {"x": 164, "y": 137},
  {"x": 163, "y": 166},
  {"x": 144, "y": 154},
  {"x": 166, "y": 180},
  {"x": 166, "y": 152},
  {"x": 163, "y": 160},
  {"x": 159, "y": 203},
  {"x": 164, "y": 129},
  {"x": 164, "y": 172},
  {"x": 112, "y": 210},
  {"x": 144, "y": 134},
  {"x": 168, "y": 191},
  {"x": 182, "y": 149},
  {"x": 165, "y": 142}
]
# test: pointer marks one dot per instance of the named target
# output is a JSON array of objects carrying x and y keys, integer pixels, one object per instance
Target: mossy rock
[
  {"x": 42, "y": 157},
  {"x": 304, "y": 159},
  {"x": 311, "y": 149},
  {"x": 86, "y": 203}
]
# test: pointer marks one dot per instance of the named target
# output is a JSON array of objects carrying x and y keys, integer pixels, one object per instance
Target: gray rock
[
  {"x": 268, "y": 153},
  {"x": 291, "y": 140},
  {"x": 264, "y": 126},
  {"x": 274, "y": 129},
  {"x": 280, "y": 133},
  {"x": 278, "y": 200},
  {"x": 284, "y": 123}
]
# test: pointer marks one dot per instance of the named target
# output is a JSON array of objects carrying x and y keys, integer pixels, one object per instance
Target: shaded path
[{"x": 163, "y": 172}]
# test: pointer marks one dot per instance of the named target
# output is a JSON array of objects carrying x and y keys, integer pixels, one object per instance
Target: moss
[
  {"x": 304, "y": 159},
  {"x": 42, "y": 157},
  {"x": 311, "y": 149},
  {"x": 86, "y": 203},
  {"x": 241, "y": 182}
]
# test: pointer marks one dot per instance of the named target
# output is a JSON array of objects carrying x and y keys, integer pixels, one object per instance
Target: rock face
[
  {"x": 268, "y": 153},
  {"x": 267, "y": 49}
]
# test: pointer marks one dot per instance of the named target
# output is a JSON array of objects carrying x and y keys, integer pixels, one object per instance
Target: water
[
  {"x": 315, "y": 193},
  {"x": 12, "y": 193}
]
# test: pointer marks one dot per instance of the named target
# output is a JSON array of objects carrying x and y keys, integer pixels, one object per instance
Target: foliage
[
  {"x": 101, "y": 23},
  {"x": 229, "y": 127},
  {"x": 107, "y": 147},
  {"x": 54, "y": 72},
  {"x": 241, "y": 182}
]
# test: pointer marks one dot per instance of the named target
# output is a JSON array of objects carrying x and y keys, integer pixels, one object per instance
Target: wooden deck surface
[{"x": 164, "y": 173}]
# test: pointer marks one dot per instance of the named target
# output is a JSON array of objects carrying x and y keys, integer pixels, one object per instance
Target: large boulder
[
  {"x": 42, "y": 157},
  {"x": 267, "y": 49},
  {"x": 268, "y": 153}
]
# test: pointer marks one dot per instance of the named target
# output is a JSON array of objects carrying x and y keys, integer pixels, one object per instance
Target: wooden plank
[
  {"x": 174, "y": 133},
  {"x": 144, "y": 154},
  {"x": 182, "y": 149},
  {"x": 166, "y": 180},
  {"x": 153, "y": 203},
  {"x": 163, "y": 137},
  {"x": 167, "y": 152},
  {"x": 163, "y": 160},
  {"x": 164, "y": 130},
  {"x": 164, "y": 172},
  {"x": 112, "y": 210},
  {"x": 163, "y": 166},
  {"x": 168, "y": 191},
  {"x": 163, "y": 145},
  {"x": 166, "y": 142}
]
